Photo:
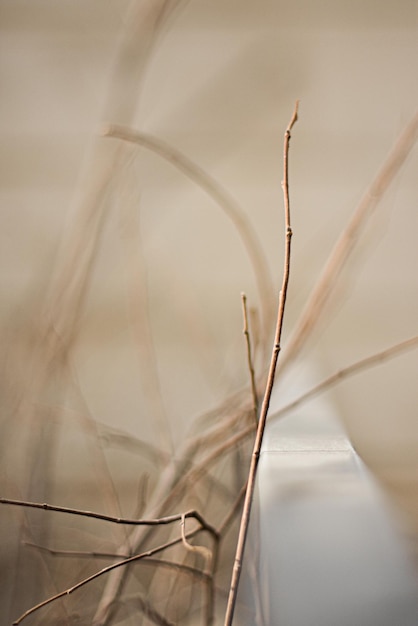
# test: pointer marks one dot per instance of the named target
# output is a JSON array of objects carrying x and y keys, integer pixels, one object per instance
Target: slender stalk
[
  {"x": 202, "y": 550},
  {"x": 246, "y": 332},
  {"x": 193, "y": 572},
  {"x": 220, "y": 196},
  {"x": 351, "y": 370},
  {"x": 245, "y": 519},
  {"x": 161, "y": 521},
  {"x": 103, "y": 571},
  {"x": 323, "y": 289}
]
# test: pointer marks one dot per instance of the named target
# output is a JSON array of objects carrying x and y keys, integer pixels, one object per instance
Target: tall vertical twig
[{"x": 245, "y": 519}]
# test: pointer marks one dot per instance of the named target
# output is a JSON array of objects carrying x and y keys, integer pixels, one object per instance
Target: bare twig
[
  {"x": 82, "y": 554},
  {"x": 116, "y": 438},
  {"x": 202, "y": 550},
  {"x": 222, "y": 199},
  {"x": 169, "y": 519},
  {"x": 249, "y": 356},
  {"x": 245, "y": 519},
  {"x": 353, "y": 369},
  {"x": 232, "y": 513},
  {"x": 103, "y": 571},
  {"x": 344, "y": 246}
]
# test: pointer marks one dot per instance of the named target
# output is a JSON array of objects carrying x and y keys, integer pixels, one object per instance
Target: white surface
[{"x": 329, "y": 553}]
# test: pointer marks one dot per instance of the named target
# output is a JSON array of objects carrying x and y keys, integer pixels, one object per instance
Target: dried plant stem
[
  {"x": 245, "y": 519},
  {"x": 353, "y": 369},
  {"x": 249, "y": 356},
  {"x": 341, "y": 252},
  {"x": 208, "y": 184},
  {"x": 169, "y": 519},
  {"x": 202, "y": 550},
  {"x": 81, "y": 554},
  {"x": 103, "y": 571}
]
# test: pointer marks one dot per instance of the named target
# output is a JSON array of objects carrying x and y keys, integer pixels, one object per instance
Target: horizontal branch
[{"x": 161, "y": 521}]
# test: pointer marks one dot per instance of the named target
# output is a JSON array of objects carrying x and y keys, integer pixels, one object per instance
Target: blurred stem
[
  {"x": 222, "y": 198},
  {"x": 323, "y": 289}
]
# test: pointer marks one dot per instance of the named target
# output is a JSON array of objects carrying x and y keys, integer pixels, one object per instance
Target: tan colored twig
[
  {"x": 202, "y": 550},
  {"x": 220, "y": 196},
  {"x": 249, "y": 356},
  {"x": 245, "y": 519},
  {"x": 162, "y": 521},
  {"x": 320, "y": 295},
  {"x": 207, "y": 578},
  {"x": 353, "y": 369},
  {"x": 82, "y": 554},
  {"x": 140, "y": 319},
  {"x": 105, "y": 570}
]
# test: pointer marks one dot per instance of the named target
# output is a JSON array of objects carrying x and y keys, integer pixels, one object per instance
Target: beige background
[{"x": 220, "y": 86}]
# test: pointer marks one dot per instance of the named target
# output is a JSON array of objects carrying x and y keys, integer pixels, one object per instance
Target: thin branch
[
  {"x": 232, "y": 513},
  {"x": 344, "y": 246},
  {"x": 82, "y": 554},
  {"x": 142, "y": 495},
  {"x": 353, "y": 369},
  {"x": 118, "y": 439},
  {"x": 219, "y": 195},
  {"x": 245, "y": 519},
  {"x": 196, "y": 472},
  {"x": 202, "y": 550},
  {"x": 186, "y": 570},
  {"x": 75, "y": 554},
  {"x": 105, "y": 570},
  {"x": 170, "y": 519},
  {"x": 249, "y": 356}
]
